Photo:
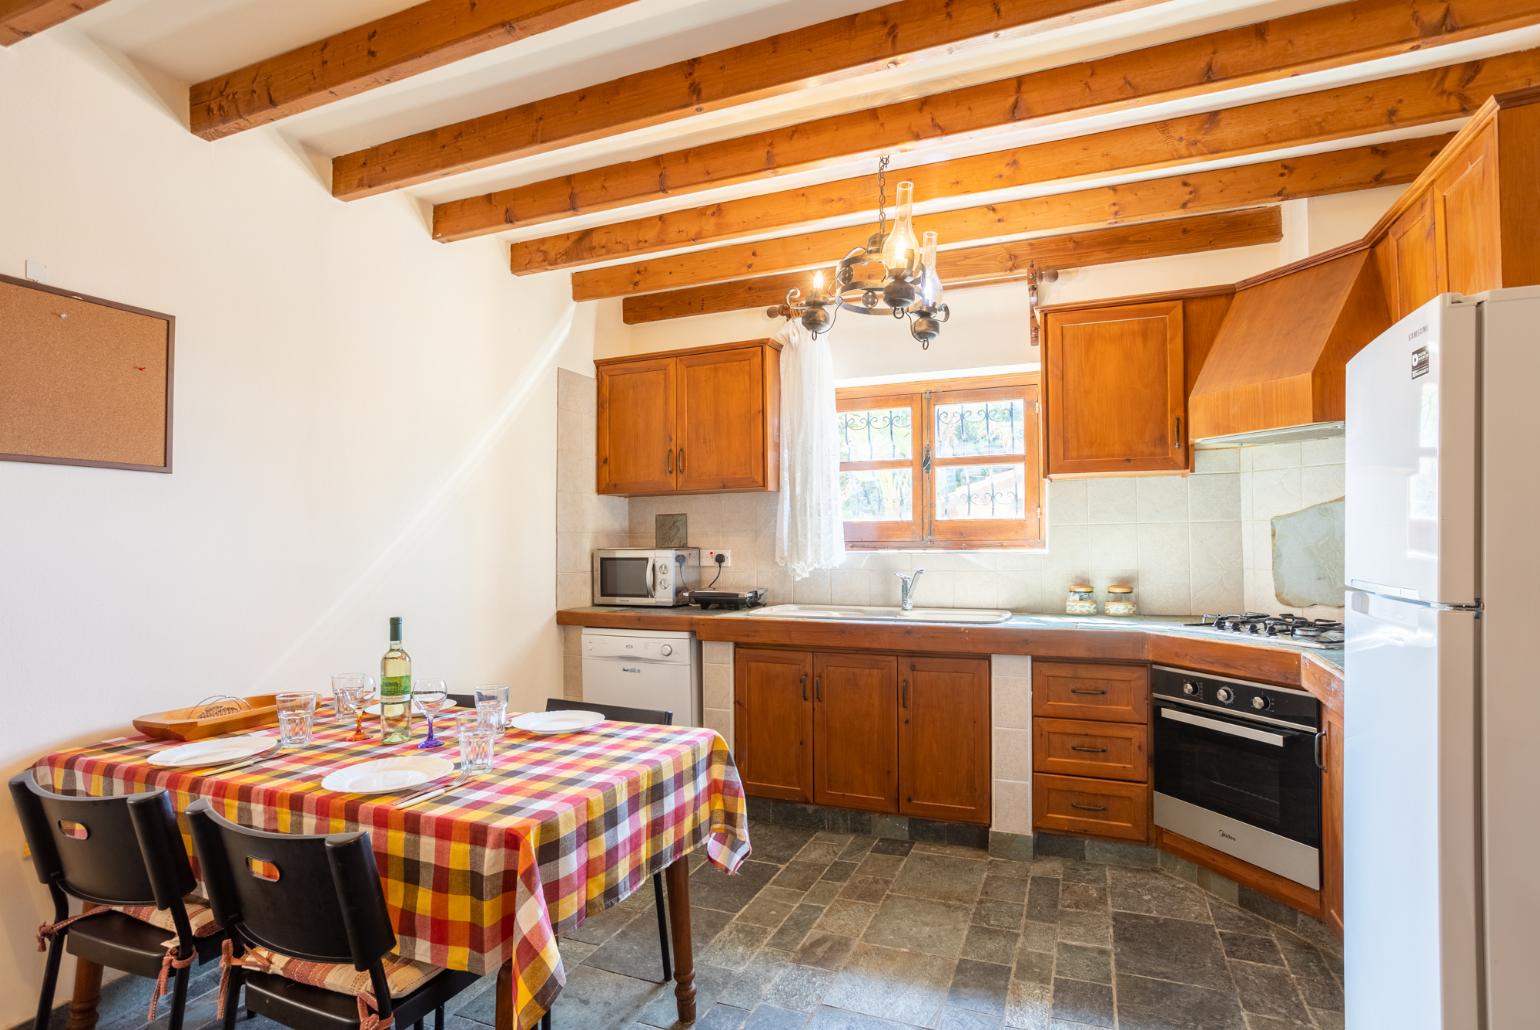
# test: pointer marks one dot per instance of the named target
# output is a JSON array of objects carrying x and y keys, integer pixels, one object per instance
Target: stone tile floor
[{"x": 831, "y": 931}]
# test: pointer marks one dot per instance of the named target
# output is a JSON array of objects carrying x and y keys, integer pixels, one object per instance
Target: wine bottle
[{"x": 396, "y": 689}]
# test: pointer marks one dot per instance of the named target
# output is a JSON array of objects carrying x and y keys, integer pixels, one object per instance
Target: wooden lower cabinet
[
  {"x": 773, "y": 722},
  {"x": 855, "y": 731},
  {"x": 1102, "y": 808},
  {"x": 944, "y": 739},
  {"x": 1331, "y": 824},
  {"x": 1108, "y": 750},
  {"x": 879, "y": 732},
  {"x": 1082, "y": 690}
]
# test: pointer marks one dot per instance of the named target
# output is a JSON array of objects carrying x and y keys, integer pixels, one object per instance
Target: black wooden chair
[
  {"x": 316, "y": 899},
  {"x": 126, "y": 855},
  {"x": 655, "y": 717}
]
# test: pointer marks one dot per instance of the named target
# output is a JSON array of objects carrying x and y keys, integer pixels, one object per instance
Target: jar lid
[
  {"x": 1081, "y": 588},
  {"x": 1119, "y": 588}
]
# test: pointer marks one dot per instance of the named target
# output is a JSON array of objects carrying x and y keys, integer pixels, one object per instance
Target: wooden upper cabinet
[
  {"x": 636, "y": 427},
  {"x": 1114, "y": 389},
  {"x": 855, "y": 731},
  {"x": 773, "y": 722},
  {"x": 1466, "y": 202},
  {"x": 1411, "y": 259},
  {"x": 944, "y": 738},
  {"x": 691, "y": 421}
]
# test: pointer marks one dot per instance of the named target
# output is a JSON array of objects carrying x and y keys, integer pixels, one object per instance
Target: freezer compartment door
[
  {"x": 1412, "y": 457},
  {"x": 1410, "y": 816}
]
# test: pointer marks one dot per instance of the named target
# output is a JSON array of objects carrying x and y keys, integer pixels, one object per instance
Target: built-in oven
[
  {"x": 1238, "y": 768},
  {"x": 655, "y": 577}
]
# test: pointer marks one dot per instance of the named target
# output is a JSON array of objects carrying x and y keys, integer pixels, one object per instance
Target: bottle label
[{"x": 395, "y": 686}]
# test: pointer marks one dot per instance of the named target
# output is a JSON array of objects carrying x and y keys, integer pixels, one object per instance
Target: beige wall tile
[
  {"x": 721, "y": 720},
  {"x": 1012, "y": 753},
  {"x": 1331, "y": 450},
  {"x": 1011, "y": 702},
  {"x": 1111, "y": 501},
  {"x": 1214, "y": 498},
  {"x": 1065, "y": 502},
  {"x": 1274, "y": 456},
  {"x": 1274, "y": 492},
  {"x": 1012, "y": 807},
  {"x": 1321, "y": 483},
  {"x": 716, "y": 684},
  {"x": 716, "y": 652},
  {"x": 1206, "y": 460},
  {"x": 1162, "y": 499}
]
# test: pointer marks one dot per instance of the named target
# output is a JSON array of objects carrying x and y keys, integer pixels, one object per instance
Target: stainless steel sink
[{"x": 861, "y": 613}]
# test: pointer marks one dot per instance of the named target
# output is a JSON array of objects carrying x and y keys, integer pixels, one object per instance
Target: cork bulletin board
[{"x": 83, "y": 381}]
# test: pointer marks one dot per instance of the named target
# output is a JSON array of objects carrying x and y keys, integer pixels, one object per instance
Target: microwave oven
[{"x": 656, "y": 577}]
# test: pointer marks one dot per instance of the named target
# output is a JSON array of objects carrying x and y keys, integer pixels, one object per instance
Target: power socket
[{"x": 708, "y": 558}]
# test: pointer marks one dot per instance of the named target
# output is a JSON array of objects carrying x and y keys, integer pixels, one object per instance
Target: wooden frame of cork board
[{"x": 83, "y": 381}]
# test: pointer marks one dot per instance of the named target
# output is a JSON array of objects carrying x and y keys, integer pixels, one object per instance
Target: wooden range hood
[{"x": 1280, "y": 357}]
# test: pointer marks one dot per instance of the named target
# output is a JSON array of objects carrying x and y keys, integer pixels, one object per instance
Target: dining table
[{"x": 488, "y": 875}]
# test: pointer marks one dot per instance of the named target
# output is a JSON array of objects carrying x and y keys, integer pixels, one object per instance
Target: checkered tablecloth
[{"x": 564, "y": 827}]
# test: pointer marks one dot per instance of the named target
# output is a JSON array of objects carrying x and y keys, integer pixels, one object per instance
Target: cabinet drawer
[
  {"x": 1072, "y": 747},
  {"x": 1082, "y": 690},
  {"x": 1069, "y": 804}
]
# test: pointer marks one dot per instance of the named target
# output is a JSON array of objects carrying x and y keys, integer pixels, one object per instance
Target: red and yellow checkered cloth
[{"x": 565, "y": 826}]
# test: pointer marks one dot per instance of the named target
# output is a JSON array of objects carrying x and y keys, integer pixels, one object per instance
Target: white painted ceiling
[{"x": 190, "y": 40}]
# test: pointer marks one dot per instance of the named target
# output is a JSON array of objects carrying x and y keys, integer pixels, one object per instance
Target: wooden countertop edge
[{"x": 1220, "y": 657}]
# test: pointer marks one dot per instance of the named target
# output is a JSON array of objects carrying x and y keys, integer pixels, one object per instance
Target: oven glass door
[
  {"x": 625, "y": 578},
  {"x": 1263, "y": 775}
]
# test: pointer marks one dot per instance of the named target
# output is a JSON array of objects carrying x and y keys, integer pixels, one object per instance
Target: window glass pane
[
  {"x": 878, "y": 495},
  {"x": 877, "y": 434},
  {"x": 980, "y": 427},
  {"x": 981, "y": 492}
]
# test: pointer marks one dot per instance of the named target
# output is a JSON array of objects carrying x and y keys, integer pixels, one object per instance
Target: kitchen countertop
[{"x": 1155, "y": 638}]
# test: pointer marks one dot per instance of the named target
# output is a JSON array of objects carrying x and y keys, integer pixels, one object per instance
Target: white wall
[{"x": 363, "y": 425}]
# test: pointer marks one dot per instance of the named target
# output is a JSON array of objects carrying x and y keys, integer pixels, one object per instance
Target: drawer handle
[
  {"x": 1087, "y": 808},
  {"x": 1088, "y": 749},
  {"x": 1087, "y": 692}
]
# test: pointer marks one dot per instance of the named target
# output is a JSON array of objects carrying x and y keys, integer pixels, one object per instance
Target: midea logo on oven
[{"x": 1225, "y": 835}]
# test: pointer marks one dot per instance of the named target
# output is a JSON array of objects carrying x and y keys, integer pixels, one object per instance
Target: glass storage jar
[
  {"x": 1120, "y": 600},
  {"x": 1081, "y": 600}
]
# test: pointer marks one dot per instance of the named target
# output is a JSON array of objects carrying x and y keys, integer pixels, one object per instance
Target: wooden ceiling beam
[
  {"x": 1339, "y": 171},
  {"x": 397, "y": 46},
  {"x": 995, "y": 263},
  {"x": 1401, "y": 102},
  {"x": 867, "y": 41},
  {"x": 22, "y": 18},
  {"x": 1311, "y": 40}
]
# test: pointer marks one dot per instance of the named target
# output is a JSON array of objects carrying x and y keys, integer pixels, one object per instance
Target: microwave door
[{"x": 626, "y": 578}]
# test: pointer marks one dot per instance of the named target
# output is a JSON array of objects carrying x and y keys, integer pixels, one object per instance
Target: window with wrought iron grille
[{"x": 945, "y": 464}]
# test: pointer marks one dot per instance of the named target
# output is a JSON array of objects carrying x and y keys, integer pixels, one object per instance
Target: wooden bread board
[{"x": 182, "y": 724}]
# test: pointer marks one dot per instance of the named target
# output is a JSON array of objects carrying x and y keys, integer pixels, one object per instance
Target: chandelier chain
[{"x": 882, "y": 194}]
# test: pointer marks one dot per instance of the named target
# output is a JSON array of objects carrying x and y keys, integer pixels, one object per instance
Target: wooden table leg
[
  {"x": 504, "y": 1018},
  {"x": 88, "y": 993},
  {"x": 677, "y": 877}
]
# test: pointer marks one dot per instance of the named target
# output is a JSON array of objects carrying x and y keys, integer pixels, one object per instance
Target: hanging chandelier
[{"x": 894, "y": 274}]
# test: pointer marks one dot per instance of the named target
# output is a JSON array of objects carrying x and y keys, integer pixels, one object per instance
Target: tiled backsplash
[
  {"x": 1193, "y": 544},
  {"x": 1276, "y": 479}
]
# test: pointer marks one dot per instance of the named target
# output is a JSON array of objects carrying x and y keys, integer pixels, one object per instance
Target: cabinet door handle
[
  {"x": 818, "y": 688},
  {"x": 681, "y": 461},
  {"x": 1176, "y": 436},
  {"x": 1086, "y": 691},
  {"x": 1088, "y": 749},
  {"x": 804, "y": 686},
  {"x": 668, "y": 463},
  {"x": 1087, "y": 808},
  {"x": 905, "y": 693}
]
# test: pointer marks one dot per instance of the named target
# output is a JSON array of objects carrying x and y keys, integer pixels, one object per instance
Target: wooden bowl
[{"x": 184, "y": 724}]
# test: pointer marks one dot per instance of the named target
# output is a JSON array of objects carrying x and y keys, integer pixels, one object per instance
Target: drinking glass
[
  {"x": 342, "y": 682},
  {"x": 431, "y": 697},
  {"x": 296, "y": 712},
  {"x": 477, "y": 740},
  {"x": 492, "y": 705},
  {"x": 360, "y": 690}
]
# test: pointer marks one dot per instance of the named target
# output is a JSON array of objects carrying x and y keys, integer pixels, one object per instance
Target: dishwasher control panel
[{"x": 673, "y": 648}]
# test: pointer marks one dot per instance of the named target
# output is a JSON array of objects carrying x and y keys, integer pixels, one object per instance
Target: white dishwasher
[{"x": 644, "y": 669}]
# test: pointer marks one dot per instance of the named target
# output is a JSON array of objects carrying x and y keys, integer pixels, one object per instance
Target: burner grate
[{"x": 1298, "y": 628}]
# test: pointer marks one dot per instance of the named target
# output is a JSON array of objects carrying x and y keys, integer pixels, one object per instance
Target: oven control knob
[
  {"x": 668, "y": 649},
  {"x": 1225, "y": 695},
  {"x": 1189, "y": 689},
  {"x": 1259, "y": 703}
]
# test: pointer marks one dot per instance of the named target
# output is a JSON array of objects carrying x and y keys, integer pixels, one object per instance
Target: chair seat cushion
[
  {"x": 402, "y": 974},
  {"x": 300, "y": 1005},
  {"x": 199, "y": 916}
]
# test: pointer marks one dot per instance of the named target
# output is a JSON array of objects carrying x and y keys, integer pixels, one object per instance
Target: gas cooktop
[{"x": 1295, "y": 629}]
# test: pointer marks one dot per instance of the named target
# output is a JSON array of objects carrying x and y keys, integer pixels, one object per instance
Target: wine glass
[
  {"x": 431, "y": 697},
  {"x": 359, "y": 690}
]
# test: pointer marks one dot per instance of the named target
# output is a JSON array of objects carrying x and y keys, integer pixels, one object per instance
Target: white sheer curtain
[{"x": 809, "y": 531}]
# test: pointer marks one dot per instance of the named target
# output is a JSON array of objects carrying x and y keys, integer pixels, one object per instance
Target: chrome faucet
[{"x": 906, "y": 585}]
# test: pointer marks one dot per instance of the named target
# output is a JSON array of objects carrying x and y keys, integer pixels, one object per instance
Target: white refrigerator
[{"x": 1441, "y": 781}]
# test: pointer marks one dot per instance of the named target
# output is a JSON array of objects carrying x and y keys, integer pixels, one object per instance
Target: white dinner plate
[
  {"x": 213, "y": 751},
  {"x": 555, "y": 722},
  {"x": 385, "y": 775}
]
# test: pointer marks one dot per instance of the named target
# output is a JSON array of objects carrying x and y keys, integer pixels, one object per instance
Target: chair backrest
[
  {"x": 619, "y": 713},
  {"x": 312, "y": 897},
  {"x": 112, "y": 850},
  {"x": 467, "y": 701}
]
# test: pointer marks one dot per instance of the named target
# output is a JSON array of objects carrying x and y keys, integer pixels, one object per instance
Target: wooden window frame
[{"x": 925, "y": 531}]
